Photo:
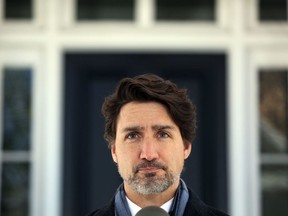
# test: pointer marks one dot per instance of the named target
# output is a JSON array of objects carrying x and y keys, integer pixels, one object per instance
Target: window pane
[
  {"x": 15, "y": 189},
  {"x": 105, "y": 10},
  {"x": 18, "y": 9},
  {"x": 273, "y": 10},
  {"x": 17, "y": 109},
  {"x": 274, "y": 190},
  {"x": 273, "y": 111},
  {"x": 186, "y": 10}
]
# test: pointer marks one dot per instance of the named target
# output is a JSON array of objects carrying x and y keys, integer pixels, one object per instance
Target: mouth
[
  {"x": 149, "y": 167},
  {"x": 149, "y": 170}
]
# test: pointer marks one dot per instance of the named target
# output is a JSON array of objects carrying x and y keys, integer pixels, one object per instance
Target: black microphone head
[{"x": 152, "y": 211}]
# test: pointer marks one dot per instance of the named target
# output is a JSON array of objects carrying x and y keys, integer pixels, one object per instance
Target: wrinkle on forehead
[
  {"x": 154, "y": 127},
  {"x": 155, "y": 114}
]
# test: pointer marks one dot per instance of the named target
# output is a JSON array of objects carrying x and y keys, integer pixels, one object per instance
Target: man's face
[{"x": 148, "y": 148}]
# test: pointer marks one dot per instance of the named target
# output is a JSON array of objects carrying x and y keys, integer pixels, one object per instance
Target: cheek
[
  {"x": 125, "y": 167},
  {"x": 126, "y": 159},
  {"x": 176, "y": 158}
]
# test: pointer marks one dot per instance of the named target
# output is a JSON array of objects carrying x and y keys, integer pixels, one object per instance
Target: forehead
[{"x": 144, "y": 112}]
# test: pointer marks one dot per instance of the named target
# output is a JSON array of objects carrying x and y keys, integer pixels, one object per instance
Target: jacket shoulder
[
  {"x": 99, "y": 212},
  {"x": 196, "y": 207},
  {"x": 108, "y": 210},
  {"x": 216, "y": 212}
]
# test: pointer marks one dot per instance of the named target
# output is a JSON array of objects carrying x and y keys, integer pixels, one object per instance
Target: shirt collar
[{"x": 135, "y": 208}]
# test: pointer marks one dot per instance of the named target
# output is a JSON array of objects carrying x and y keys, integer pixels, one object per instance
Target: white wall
[{"x": 236, "y": 32}]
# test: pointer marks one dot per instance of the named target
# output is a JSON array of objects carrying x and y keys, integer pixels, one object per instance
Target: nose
[{"x": 149, "y": 150}]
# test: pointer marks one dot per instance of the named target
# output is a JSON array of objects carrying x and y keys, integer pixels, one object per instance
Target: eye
[
  {"x": 163, "y": 135},
  {"x": 132, "y": 136}
]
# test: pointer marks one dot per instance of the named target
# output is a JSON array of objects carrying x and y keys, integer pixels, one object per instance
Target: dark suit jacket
[{"x": 194, "y": 207}]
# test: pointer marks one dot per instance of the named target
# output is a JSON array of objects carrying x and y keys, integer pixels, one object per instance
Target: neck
[{"x": 151, "y": 199}]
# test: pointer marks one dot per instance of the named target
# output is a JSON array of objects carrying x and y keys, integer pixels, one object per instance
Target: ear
[
  {"x": 187, "y": 149},
  {"x": 113, "y": 153}
]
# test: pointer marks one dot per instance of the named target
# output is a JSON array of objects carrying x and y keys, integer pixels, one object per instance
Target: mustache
[{"x": 146, "y": 164}]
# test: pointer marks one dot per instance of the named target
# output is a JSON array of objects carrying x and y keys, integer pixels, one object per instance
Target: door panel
[{"x": 90, "y": 178}]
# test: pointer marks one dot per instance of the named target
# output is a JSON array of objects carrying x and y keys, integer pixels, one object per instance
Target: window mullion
[
  {"x": 145, "y": 12},
  {"x": 16, "y": 156},
  {"x": 274, "y": 159}
]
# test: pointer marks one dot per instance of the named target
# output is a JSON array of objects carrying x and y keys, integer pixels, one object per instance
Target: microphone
[{"x": 152, "y": 211}]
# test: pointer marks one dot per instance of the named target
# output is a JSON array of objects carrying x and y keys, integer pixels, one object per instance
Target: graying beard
[{"x": 152, "y": 185}]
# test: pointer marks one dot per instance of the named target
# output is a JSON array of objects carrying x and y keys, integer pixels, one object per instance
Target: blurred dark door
[{"x": 89, "y": 176}]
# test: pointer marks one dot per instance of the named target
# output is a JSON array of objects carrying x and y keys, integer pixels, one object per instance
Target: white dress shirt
[{"x": 135, "y": 208}]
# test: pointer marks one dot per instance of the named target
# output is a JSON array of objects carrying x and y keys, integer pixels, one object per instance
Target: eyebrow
[
  {"x": 132, "y": 128},
  {"x": 154, "y": 127},
  {"x": 163, "y": 127}
]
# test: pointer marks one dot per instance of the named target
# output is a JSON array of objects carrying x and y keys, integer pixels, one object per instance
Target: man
[{"x": 150, "y": 126}]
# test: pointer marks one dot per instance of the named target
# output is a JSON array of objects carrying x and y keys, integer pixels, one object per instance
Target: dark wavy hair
[{"x": 146, "y": 88}]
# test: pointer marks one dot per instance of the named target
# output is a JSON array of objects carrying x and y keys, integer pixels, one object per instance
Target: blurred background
[{"x": 59, "y": 59}]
